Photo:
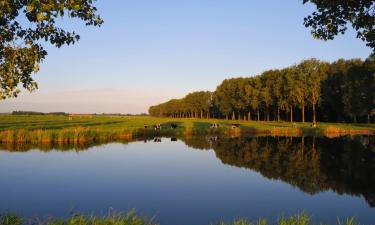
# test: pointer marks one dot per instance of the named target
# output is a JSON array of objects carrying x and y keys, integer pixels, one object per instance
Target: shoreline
[
  {"x": 61, "y": 129},
  {"x": 132, "y": 218}
]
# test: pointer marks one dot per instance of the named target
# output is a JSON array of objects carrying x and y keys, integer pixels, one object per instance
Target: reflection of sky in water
[{"x": 168, "y": 180}]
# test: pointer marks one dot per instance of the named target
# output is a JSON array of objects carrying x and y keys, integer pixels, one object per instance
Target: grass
[
  {"x": 298, "y": 219},
  {"x": 131, "y": 218},
  {"x": 65, "y": 129}
]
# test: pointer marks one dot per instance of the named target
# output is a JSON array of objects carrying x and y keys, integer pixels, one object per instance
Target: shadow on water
[{"x": 344, "y": 165}]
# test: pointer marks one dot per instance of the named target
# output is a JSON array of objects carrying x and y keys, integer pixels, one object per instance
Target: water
[{"x": 196, "y": 180}]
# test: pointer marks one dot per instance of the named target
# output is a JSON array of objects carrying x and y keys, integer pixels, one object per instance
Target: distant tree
[
  {"x": 239, "y": 96},
  {"x": 223, "y": 98},
  {"x": 204, "y": 103},
  {"x": 266, "y": 94},
  {"x": 332, "y": 90},
  {"x": 276, "y": 87},
  {"x": 24, "y": 27},
  {"x": 301, "y": 85},
  {"x": 332, "y": 16},
  {"x": 253, "y": 90},
  {"x": 369, "y": 88},
  {"x": 290, "y": 87},
  {"x": 317, "y": 72},
  {"x": 358, "y": 92}
]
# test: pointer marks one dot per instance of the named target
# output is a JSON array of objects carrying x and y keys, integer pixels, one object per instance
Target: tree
[
  {"x": 223, "y": 98},
  {"x": 266, "y": 94},
  {"x": 317, "y": 73},
  {"x": 332, "y": 90},
  {"x": 276, "y": 84},
  {"x": 290, "y": 88},
  {"x": 332, "y": 16},
  {"x": 21, "y": 43},
  {"x": 253, "y": 94},
  {"x": 301, "y": 85},
  {"x": 369, "y": 65},
  {"x": 358, "y": 92},
  {"x": 341, "y": 91}
]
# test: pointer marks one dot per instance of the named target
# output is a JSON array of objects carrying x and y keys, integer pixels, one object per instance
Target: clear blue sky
[{"x": 148, "y": 51}]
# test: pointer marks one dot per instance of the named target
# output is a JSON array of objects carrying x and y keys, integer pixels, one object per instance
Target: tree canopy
[
  {"x": 332, "y": 17},
  {"x": 25, "y": 25},
  {"x": 340, "y": 91}
]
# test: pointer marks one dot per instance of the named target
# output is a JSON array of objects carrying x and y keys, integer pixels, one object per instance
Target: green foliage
[
  {"x": 21, "y": 44},
  {"x": 10, "y": 219},
  {"x": 349, "y": 221},
  {"x": 129, "y": 218},
  {"x": 336, "y": 92},
  {"x": 193, "y": 105},
  {"x": 332, "y": 16},
  {"x": 299, "y": 219},
  {"x": 243, "y": 221}
]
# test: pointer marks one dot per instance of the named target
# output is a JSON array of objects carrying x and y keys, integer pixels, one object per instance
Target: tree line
[{"x": 342, "y": 91}]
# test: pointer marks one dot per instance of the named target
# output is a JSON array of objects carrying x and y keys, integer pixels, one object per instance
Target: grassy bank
[
  {"x": 132, "y": 219},
  {"x": 65, "y": 129}
]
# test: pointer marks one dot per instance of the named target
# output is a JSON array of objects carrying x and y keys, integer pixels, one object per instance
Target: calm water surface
[{"x": 197, "y": 180}]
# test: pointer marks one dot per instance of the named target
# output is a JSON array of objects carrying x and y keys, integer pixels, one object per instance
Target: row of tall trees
[
  {"x": 194, "y": 105},
  {"x": 311, "y": 90}
]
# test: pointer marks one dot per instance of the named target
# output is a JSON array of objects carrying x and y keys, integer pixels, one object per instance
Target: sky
[{"x": 148, "y": 52}]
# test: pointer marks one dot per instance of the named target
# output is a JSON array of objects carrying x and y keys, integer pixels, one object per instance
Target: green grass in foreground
[
  {"x": 65, "y": 129},
  {"x": 132, "y": 219}
]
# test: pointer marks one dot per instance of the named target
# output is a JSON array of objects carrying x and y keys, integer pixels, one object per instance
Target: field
[{"x": 72, "y": 129}]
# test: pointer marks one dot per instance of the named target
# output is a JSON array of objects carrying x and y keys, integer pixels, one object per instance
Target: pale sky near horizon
[{"x": 150, "y": 51}]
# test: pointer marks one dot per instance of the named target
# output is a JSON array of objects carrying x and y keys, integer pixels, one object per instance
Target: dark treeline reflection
[{"x": 345, "y": 165}]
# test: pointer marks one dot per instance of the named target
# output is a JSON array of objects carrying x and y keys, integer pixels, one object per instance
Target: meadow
[{"x": 96, "y": 128}]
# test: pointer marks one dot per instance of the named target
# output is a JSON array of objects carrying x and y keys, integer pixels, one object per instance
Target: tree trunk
[
  {"x": 314, "y": 114},
  {"x": 201, "y": 114},
  {"x": 303, "y": 113},
  {"x": 249, "y": 116},
  {"x": 258, "y": 115},
  {"x": 291, "y": 114},
  {"x": 226, "y": 116},
  {"x": 268, "y": 113},
  {"x": 233, "y": 116},
  {"x": 278, "y": 114}
]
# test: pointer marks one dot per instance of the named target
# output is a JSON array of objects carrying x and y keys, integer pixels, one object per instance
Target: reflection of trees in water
[
  {"x": 344, "y": 165},
  {"x": 47, "y": 147}
]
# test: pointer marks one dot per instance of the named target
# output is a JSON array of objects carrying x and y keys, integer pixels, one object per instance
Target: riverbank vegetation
[
  {"x": 132, "y": 219},
  {"x": 342, "y": 91},
  {"x": 98, "y": 129}
]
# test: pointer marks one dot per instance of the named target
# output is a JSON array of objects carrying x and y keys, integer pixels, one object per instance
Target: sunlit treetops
[{"x": 340, "y": 91}]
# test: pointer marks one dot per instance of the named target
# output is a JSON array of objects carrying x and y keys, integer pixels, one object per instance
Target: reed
[
  {"x": 131, "y": 218},
  {"x": 298, "y": 219}
]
